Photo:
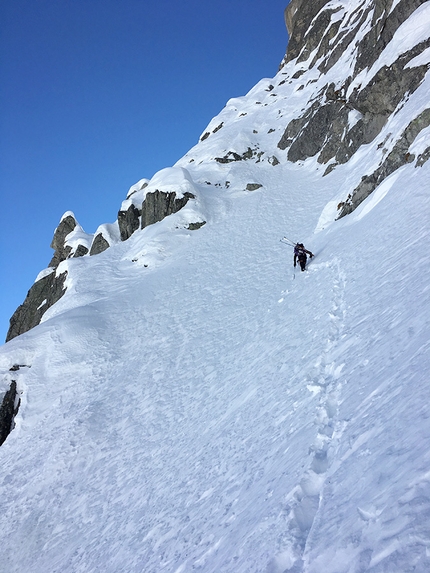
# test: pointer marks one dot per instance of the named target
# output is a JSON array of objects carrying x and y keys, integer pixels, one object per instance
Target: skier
[{"x": 300, "y": 254}]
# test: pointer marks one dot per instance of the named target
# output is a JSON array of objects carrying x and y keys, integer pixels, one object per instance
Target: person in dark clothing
[{"x": 300, "y": 254}]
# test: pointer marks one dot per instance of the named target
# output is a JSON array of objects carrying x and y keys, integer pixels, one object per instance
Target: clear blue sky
[{"x": 96, "y": 94}]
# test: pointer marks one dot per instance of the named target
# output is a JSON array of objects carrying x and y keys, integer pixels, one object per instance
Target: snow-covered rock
[{"x": 69, "y": 241}]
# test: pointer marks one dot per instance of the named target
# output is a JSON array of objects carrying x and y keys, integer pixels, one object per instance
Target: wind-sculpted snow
[{"x": 195, "y": 403}]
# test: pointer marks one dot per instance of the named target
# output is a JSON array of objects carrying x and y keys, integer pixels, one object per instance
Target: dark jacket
[{"x": 300, "y": 253}]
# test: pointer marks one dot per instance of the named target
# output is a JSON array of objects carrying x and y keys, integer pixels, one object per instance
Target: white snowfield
[{"x": 196, "y": 403}]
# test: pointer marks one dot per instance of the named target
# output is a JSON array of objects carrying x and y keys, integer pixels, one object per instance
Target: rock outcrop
[
  {"x": 352, "y": 111},
  {"x": 396, "y": 158},
  {"x": 232, "y": 156},
  {"x": 69, "y": 239},
  {"x": 253, "y": 186},
  {"x": 99, "y": 245},
  {"x": 42, "y": 295},
  {"x": 8, "y": 410},
  {"x": 160, "y": 204},
  {"x": 62, "y": 251},
  {"x": 81, "y": 251},
  {"x": 128, "y": 221},
  {"x": 50, "y": 286}
]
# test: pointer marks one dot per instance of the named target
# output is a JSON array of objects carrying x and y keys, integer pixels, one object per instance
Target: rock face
[
  {"x": 42, "y": 295},
  {"x": 159, "y": 205},
  {"x": 99, "y": 245},
  {"x": 399, "y": 156},
  {"x": 8, "y": 410},
  {"x": 81, "y": 251},
  {"x": 320, "y": 33},
  {"x": 62, "y": 251},
  {"x": 49, "y": 288},
  {"x": 128, "y": 222},
  {"x": 298, "y": 18}
]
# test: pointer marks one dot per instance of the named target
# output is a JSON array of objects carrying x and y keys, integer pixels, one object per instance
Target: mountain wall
[{"x": 356, "y": 102}]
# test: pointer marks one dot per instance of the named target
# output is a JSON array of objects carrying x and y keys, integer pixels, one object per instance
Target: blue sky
[{"x": 96, "y": 94}]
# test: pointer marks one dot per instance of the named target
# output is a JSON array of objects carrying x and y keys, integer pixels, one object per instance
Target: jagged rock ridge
[{"x": 353, "y": 110}]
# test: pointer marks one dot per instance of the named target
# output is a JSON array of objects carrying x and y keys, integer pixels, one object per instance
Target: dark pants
[{"x": 302, "y": 261}]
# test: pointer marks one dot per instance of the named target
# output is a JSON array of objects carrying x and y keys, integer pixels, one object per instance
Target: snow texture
[{"x": 195, "y": 403}]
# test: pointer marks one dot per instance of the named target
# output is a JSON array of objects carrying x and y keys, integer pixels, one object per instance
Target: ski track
[
  {"x": 227, "y": 416},
  {"x": 324, "y": 380}
]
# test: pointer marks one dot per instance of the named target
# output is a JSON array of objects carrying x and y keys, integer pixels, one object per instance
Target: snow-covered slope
[{"x": 194, "y": 403}]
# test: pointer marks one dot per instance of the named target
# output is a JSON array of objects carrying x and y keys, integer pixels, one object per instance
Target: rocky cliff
[
  {"x": 49, "y": 286},
  {"x": 372, "y": 69}
]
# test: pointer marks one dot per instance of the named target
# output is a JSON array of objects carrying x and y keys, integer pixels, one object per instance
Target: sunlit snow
[{"x": 196, "y": 403}]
